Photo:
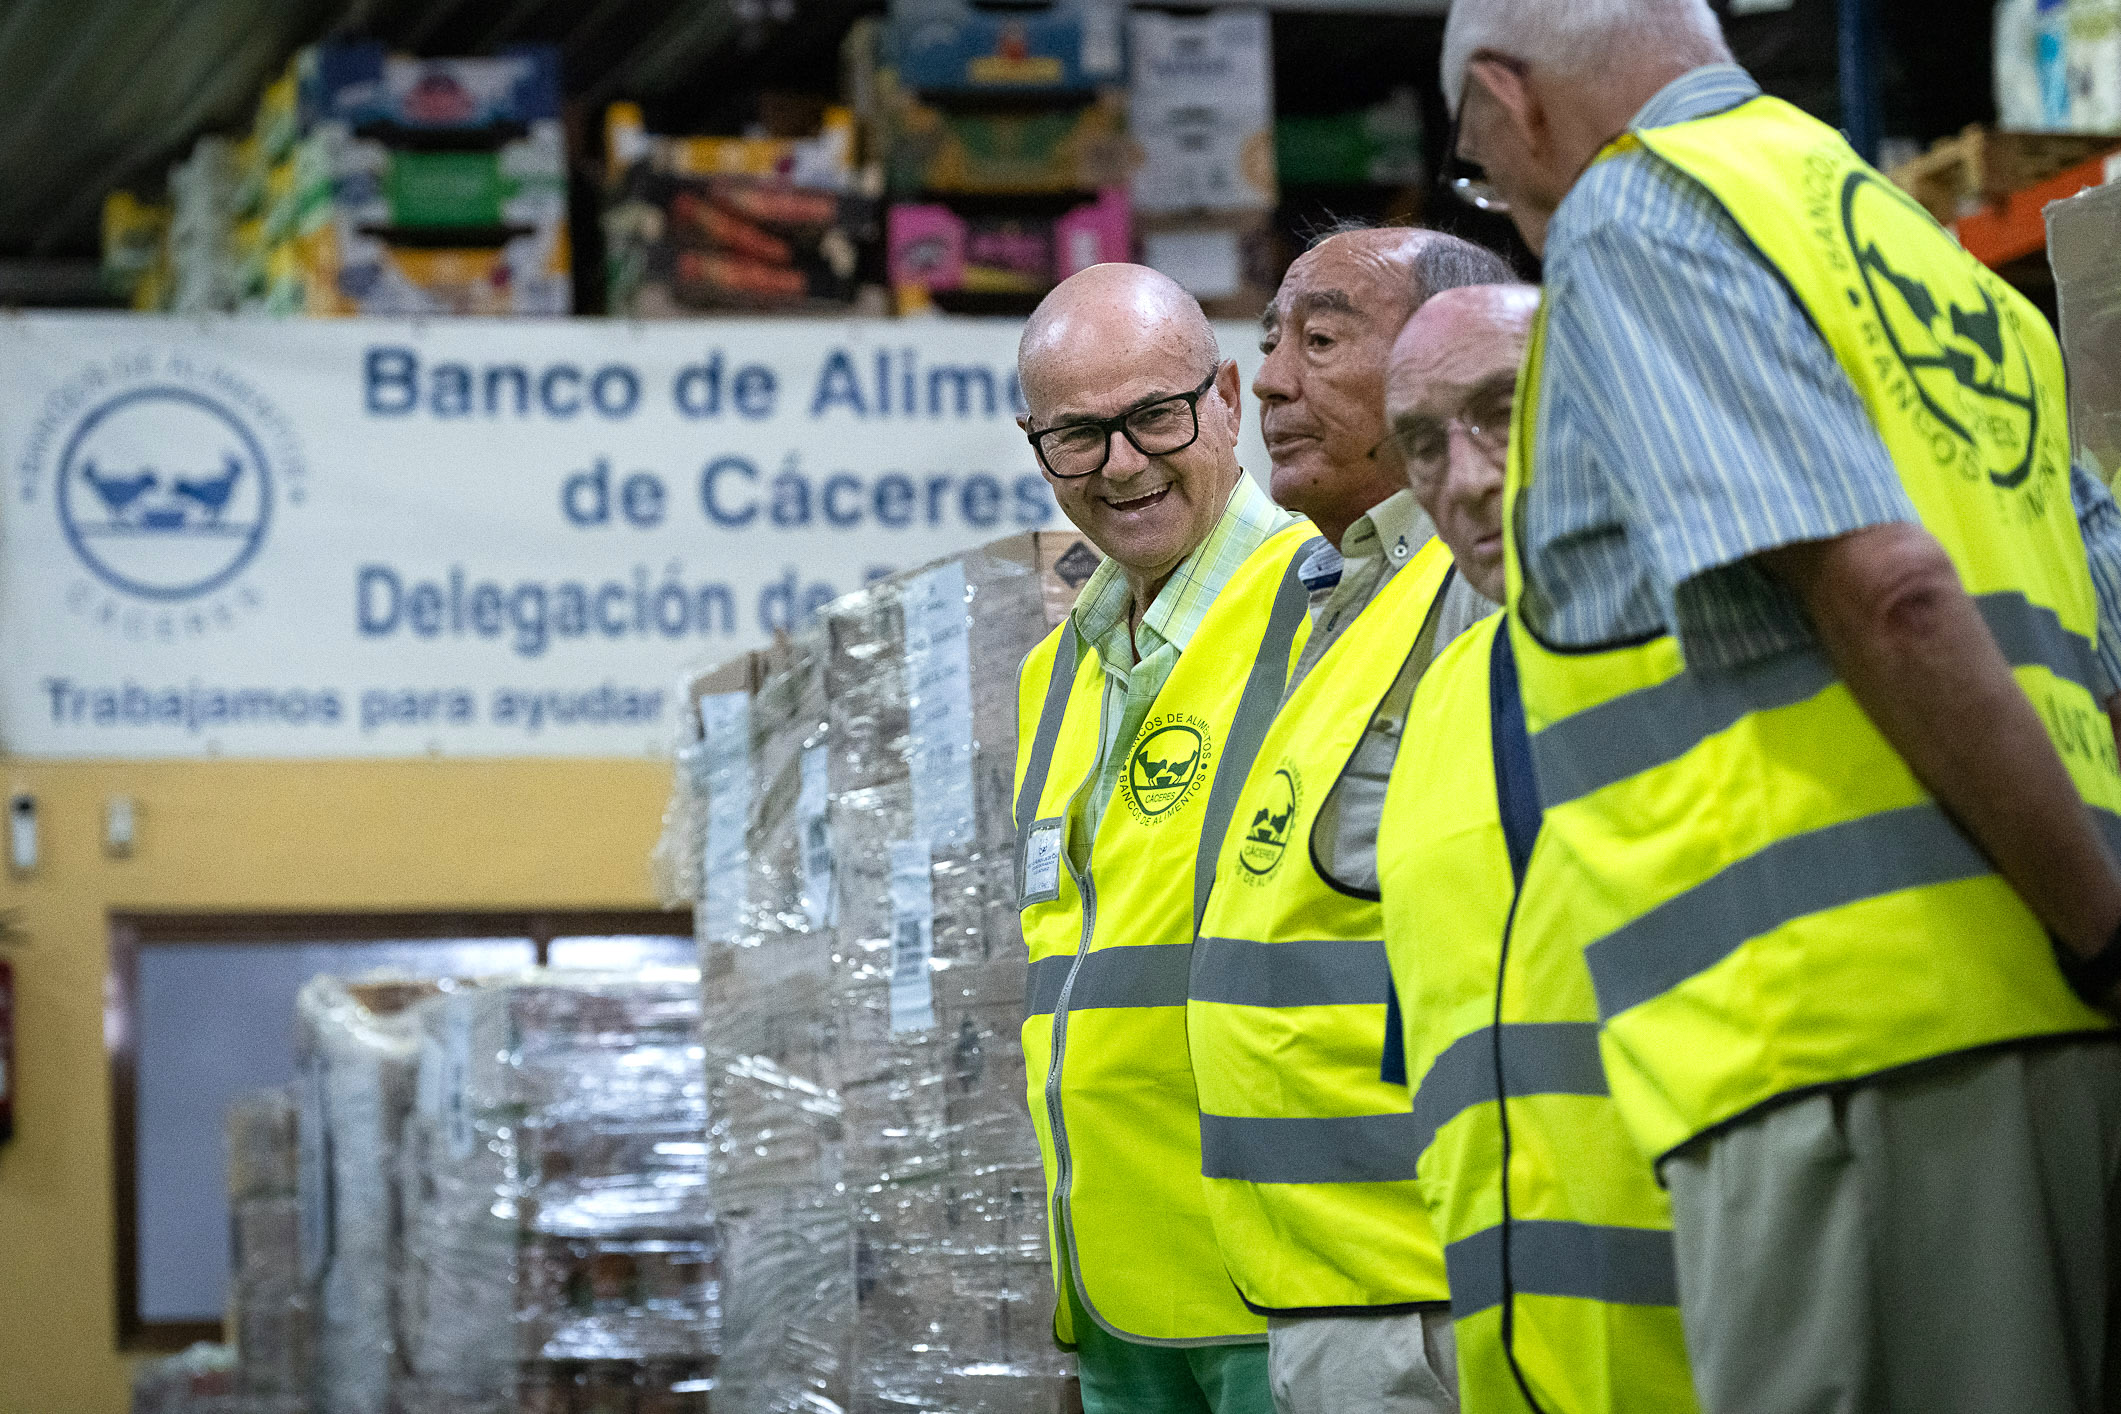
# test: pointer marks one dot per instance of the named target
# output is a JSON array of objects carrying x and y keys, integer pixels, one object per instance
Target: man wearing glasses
[
  {"x": 1563, "y": 1292},
  {"x": 1137, "y": 720},
  {"x": 1305, "y": 1144},
  {"x": 1816, "y": 631}
]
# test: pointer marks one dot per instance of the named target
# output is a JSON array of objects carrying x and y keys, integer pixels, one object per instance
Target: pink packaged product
[{"x": 934, "y": 248}]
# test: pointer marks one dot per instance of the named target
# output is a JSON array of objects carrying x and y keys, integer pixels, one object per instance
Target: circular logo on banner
[
  {"x": 1266, "y": 837},
  {"x": 165, "y": 492},
  {"x": 1960, "y": 348},
  {"x": 1169, "y": 760}
]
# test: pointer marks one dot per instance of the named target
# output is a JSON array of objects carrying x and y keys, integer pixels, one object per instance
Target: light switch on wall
[{"x": 22, "y": 833}]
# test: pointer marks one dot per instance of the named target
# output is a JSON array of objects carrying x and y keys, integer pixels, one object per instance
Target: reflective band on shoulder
[
  {"x": 1808, "y": 873},
  {"x": 1538, "y": 1058},
  {"x": 1255, "y": 714},
  {"x": 1355, "y": 1149},
  {"x": 1638, "y": 731},
  {"x": 1067, "y": 657},
  {"x": 1628, "y": 1266},
  {"x": 1151, "y": 975},
  {"x": 1301, "y": 972}
]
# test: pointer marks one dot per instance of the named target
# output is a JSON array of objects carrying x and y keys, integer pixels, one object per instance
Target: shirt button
[{"x": 1399, "y": 550}]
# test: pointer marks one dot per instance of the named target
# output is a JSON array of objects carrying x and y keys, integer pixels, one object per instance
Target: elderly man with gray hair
[{"x": 1817, "y": 631}]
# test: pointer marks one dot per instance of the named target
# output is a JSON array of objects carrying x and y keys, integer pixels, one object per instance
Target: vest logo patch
[
  {"x": 1169, "y": 761},
  {"x": 1959, "y": 348},
  {"x": 1266, "y": 836}
]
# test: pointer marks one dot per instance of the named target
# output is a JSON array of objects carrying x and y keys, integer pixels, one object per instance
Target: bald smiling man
[{"x": 1137, "y": 720}]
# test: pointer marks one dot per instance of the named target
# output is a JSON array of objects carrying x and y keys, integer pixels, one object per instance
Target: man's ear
[
  {"x": 1023, "y": 422},
  {"x": 1519, "y": 105},
  {"x": 1230, "y": 387}
]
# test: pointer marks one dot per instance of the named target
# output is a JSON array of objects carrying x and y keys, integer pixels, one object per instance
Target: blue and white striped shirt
[{"x": 1691, "y": 417}]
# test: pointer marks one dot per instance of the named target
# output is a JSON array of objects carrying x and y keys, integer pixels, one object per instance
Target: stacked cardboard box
[
  {"x": 1005, "y": 145},
  {"x": 754, "y": 223},
  {"x": 561, "y": 1250},
  {"x": 420, "y": 186},
  {"x": 1202, "y": 107},
  {"x": 268, "y": 1304},
  {"x": 849, "y": 802},
  {"x": 356, "y": 1053}
]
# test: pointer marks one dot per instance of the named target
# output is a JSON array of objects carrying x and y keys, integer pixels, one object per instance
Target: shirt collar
[
  {"x": 1180, "y": 605},
  {"x": 1391, "y": 531},
  {"x": 1698, "y": 93}
]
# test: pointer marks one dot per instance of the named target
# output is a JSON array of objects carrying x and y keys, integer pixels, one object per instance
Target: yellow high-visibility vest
[
  {"x": 1306, "y": 1150},
  {"x": 1767, "y": 898},
  {"x": 1555, "y": 1234},
  {"x": 1110, "y": 1091}
]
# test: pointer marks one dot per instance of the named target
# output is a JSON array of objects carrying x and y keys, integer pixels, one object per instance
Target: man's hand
[{"x": 1892, "y": 615}]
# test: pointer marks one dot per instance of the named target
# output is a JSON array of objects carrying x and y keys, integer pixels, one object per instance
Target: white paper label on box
[
  {"x": 912, "y": 937},
  {"x": 457, "y": 1129},
  {"x": 313, "y": 1169},
  {"x": 725, "y": 736},
  {"x": 939, "y": 704},
  {"x": 1042, "y": 864},
  {"x": 813, "y": 803}
]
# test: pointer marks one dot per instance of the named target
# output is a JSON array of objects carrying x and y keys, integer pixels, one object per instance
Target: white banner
[{"x": 369, "y": 538}]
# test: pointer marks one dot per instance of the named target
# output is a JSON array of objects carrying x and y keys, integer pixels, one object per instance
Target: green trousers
[{"x": 1125, "y": 1377}]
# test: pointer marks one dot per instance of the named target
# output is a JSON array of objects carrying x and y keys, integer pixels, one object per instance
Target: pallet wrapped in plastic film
[
  {"x": 561, "y": 1248},
  {"x": 268, "y": 1304},
  {"x": 203, "y": 1379},
  {"x": 757, "y": 777},
  {"x": 954, "y": 1297},
  {"x": 356, "y": 1052}
]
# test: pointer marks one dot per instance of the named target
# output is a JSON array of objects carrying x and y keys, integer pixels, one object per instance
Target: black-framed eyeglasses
[
  {"x": 1155, "y": 429},
  {"x": 1468, "y": 181}
]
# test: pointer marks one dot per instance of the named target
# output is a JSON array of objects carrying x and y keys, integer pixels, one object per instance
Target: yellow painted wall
[{"x": 241, "y": 837}]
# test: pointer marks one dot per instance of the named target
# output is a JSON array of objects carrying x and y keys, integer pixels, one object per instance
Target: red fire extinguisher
[{"x": 7, "y": 1052}]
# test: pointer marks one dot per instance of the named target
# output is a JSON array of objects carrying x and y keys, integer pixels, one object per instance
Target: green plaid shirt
[{"x": 1138, "y": 664}]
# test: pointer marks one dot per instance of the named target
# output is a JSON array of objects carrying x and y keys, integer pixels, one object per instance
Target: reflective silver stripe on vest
[
  {"x": 1357, "y": 1149},
  {"x": 1314, "y": 972},
  {"x": 1153, "y": 974},
  {"x": 1067, "y": 657},
  {"x": 1641, "y": 730},
  {"x": 1808, "y": 873},
  {"x": 1255, "y": 715},
  {"x": 1538, "y": 1058},
  {"x": 1628, "y": 1266}
]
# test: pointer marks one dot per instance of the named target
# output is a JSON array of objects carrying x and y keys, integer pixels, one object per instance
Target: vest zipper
[{"x": 1086, "y": 890}]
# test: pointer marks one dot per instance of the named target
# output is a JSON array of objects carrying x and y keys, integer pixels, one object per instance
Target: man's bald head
[
  {"x": 1106, "y": 308},
  {"x": 1449, "y": 391},
  {"x": 1111, "y": 342}
]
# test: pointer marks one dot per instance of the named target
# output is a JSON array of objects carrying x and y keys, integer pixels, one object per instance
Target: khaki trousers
[
  {"x": 1395, "y": 1364},
  {"x": 1941, "y": 1241}
]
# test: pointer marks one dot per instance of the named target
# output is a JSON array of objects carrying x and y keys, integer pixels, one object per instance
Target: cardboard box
[
  {"x": 951, "y": 46},
  {"x": 1201, "y": 107}
]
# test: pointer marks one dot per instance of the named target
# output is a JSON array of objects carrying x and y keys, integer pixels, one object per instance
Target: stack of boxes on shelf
[
  {"x": 375, "y": 183},
  {"x": 734, "y": 223},
  {"x": 1202, "y": 107},
  {"x": 1005, "y": 144},
  {"x": 848, "y": 809},
  {"x": 503, "y": 1196},
  {"x": 560, "y": 1248},
  {"x": 268, "y": 1304},
  {"x": 421, "y": 186}
]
